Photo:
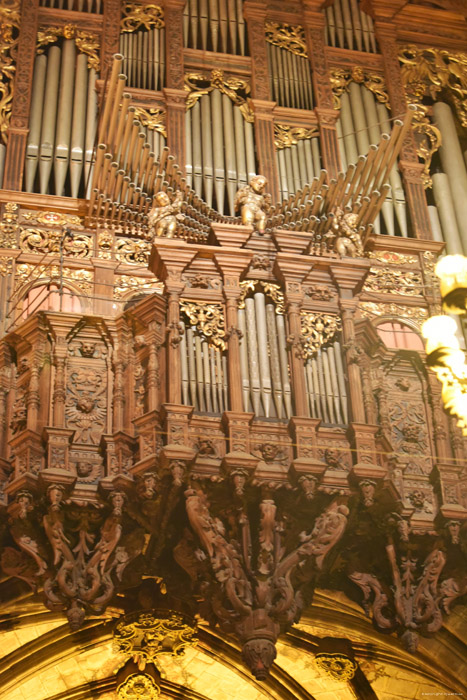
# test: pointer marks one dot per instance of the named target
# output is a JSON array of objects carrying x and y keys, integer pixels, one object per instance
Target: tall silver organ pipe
[
  {"x": 62, "y": 122},
  {"x": 297, "y": 165},
  {"x": 290, "y": 78},
  {"x": 204, "y": 373},
  {"x": 215, "y": 25},
  {"x": 94, "y": 6},
  {"x": 362, "y": 121},
  {"x": 144, "y": 58},
  {"x": 348, "y": 27},
  {"x": 220, "y": 150},
  {"x": 263, "y": 359},
  {"x": 326, "y": 386}
]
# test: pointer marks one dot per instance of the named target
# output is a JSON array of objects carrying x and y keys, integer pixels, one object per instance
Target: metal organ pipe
[
  {"x": 203, "y": 373},
  {"x": 325, "y": 385},
  {"x": 215, "y": 25},
  {"x": 62, "y": 122},
  {"x": 348, "y": 27},
  {"x": 296, "y": 165},
  {"x": 290, "y": 77}
]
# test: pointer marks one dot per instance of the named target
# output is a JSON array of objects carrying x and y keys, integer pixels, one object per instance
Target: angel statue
[
  {"x": 164, "y": 215},
  {"x": 254, "y": 203},
  {"x": 344, "y": 235}
]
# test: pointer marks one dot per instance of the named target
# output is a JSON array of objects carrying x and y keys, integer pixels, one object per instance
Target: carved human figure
[
  {"x": 344, "y": 235},
  {"x": 254, "y": 203},
  {"x": 164, "y": 215}
]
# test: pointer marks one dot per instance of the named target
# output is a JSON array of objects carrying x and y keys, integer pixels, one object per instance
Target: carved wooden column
[
  {"x": 325, "y": 111},
  {"x": 168, "y": 260},
  {"x": 18, "y": 130},
  {"x": 293, "y": 271},
  {"x": 110, "y": 40},
  {"x": 410, "y": 167},
  {"x": 233, "y": 264},
  {"x": 174, "y": 93},
  {"x": 255, "y": 15}
]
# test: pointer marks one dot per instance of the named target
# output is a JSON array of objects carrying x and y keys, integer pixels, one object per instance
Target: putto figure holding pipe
[
  {"x": 164, "y": 215},
  {"x": 254, "y": 203},
  {"x": 344, "y": 235}
]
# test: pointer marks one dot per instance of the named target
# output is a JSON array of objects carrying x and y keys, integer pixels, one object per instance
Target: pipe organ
[
  {"x": 215, "y": 25},
  {"x": 203, "y": 332},
  {"x": 349, "y": 27},
  {"x": 62, "y": 122}
]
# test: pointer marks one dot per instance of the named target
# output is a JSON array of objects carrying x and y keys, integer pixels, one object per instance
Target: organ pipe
[
  {"x": 94, "y": 6},
  {"x": 203, "y": 372},
  {"x": 215, "y": 25},
  {"x": 290, "y": 78},
  {"x": 296, "y": 165},
  {"x": 348, "y": 27},
  {"x": 62, "y": 123},
  {"x": 325, "y": 385},
  {"x": 144, "y": 58}
]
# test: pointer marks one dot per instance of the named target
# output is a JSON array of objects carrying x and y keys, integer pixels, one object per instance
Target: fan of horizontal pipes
[{"x": 127, "y": 175}]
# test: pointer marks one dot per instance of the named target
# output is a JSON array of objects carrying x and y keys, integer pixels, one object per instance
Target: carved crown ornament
[
  {"x": 136, "y": 16},
  {"x": 342, "y": 77},
  {"x": 287, "y": 36},
  {"x": 236, "y": 89},
  {"x": 85, "y": 42}
]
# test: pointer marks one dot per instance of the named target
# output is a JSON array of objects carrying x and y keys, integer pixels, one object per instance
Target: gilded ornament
[
  {"x": 317, "y": 330},
  {"x": 153, "y": 119},
  {"x": 390, "y": 258},
  {"x": 165, "y": 215},
  {"x": 125, "y": 284},
  {"x": 399, "y": 282},
  {"x": 146, "y": 635},
  {"x": 269, "y": 288},
  {"x": 337, "y": 666},
  {"x": 135, "y": 16},
  {"x": 286, "y": 136},
  {"x": 132, "y": 252},
  {"x": 52, "y": 218},
  {"x": 85, "y": 42},
  {"x": 26, "y": 273},
  {"x": 138, "y": 686},
  {"x": 9, "y": 27},
  {"x": 208, "y": 320},
  {"x": 43, "y": 241},
  {"x": 287, "y": 36},
  {"x": 254, "y": 203},
  {"x": 371, "y": 309},
  {"x": 6, "y": 266},
  {"x": 199, "y": 84},
  {"x": 9, "y": 227},
  {"x": 342, "y": 77}
]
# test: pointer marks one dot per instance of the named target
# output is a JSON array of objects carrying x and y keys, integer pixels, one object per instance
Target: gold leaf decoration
[
  {"x": 138, "y": 686},
  {"x": 273, "y": 290},
  {"x": 85, "y": 42},
  {"x": 9, "y": 26},
  {"x": 391, "y": 281},
  {"x": 287, "y": 37},
  {"x": 390, "y": 258},
  {"x": 337, "y": 666},
  {"x": 208, "y": 320},
  {"x": 146, "y": 635},
  {"x": 342, "y": 77},
  {"x": 153, "y": 119},
  {"x": 370, "y": 309},
  {"x": 317, "y": 330},
  {"x": 135, "y": 16},
  {"x": 9, "y": 227},
  {"x": 286, "y": 136},
  {"x": 199, "y": 84}
]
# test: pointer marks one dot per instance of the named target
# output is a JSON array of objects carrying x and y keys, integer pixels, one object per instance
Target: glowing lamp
[{"x": 452, "y": 272}]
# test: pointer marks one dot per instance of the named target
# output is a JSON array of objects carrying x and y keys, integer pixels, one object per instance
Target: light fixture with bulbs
[{"x": 444, "y": 355}]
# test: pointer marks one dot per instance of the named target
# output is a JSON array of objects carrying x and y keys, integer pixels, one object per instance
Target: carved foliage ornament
[
  {"x": 135, "y": 16},
  {"x": 287, "y": 37},
  {"x": 153, "y": 119},
  {"x": 338, "y": 666},
  {"x": 208, "y": 320},
  {"x": 9, "y": 227},
  {"x": 236, "y": 89},
  {"x": 369, "y": 309},
  {"x": 400, "y": 282},
  {"x": 286, "y": 136},
  {"x": 317, "y": 330},
  {"x": 9, "y": 25},
  {"x": 34, "y": 240},
  {"x": 148, "y": 634},
  {"x": 342, "y": 77},
  {"x": 138, "y": 686},
  {"x": 85, "y": 42},
  {"x": 272, "y": 290},
  {"x": 52, "y": 218}
]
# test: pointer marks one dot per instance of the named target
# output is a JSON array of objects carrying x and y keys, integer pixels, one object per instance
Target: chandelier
[{"x": 444, "y": 354}]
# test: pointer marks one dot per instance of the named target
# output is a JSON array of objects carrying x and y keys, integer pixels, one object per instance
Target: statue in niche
[
  {"x": 164, "y": 215},
  {"x": 344, "y": 236},
  {"x": 254, "y": 203}
]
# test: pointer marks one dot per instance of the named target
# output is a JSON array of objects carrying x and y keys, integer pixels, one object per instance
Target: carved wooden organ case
[{"x": 243, "y": 414}]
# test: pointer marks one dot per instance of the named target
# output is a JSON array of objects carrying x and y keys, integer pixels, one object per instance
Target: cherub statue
[
  {"x": 164, "y": 215},
  {"x": 344, "y": 234},
  {"x": 254, "y": 203}
]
